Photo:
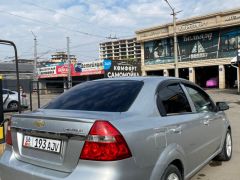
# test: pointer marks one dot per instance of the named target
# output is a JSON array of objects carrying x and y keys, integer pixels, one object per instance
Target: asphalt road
[{"x": 214, "y": 170}]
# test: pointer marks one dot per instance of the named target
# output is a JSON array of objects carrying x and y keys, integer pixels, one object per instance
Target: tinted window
[
  {"x": 109, "y": 96},
  {"x": 174, "y": 100},
  {"x": 10, "y": 92},
  {"x": 4, "y": 92},
  {"x": 201, "y": 100}
]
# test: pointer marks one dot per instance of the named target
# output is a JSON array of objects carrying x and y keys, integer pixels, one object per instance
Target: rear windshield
[{"x": 108, "y": 96}]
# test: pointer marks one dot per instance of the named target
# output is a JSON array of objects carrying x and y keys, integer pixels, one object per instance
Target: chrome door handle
[{"x": 206, "y": 122}]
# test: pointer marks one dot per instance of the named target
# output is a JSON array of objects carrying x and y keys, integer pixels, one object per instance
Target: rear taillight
[
  {"x": 105, "y": 143},
  {"x": 9, "y": 136}
]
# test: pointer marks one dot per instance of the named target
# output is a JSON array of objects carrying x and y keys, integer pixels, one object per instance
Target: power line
[
  {"x": 71, "y": 47},
  {"x": 41, "y": 54},
  {"x": 64, "y": 14},
  {"x": 61, "y": 27},
  {"x": 84, "y": 44}
]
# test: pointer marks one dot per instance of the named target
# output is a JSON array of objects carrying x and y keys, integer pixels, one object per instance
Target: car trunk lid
[{"x": 65, "y": 130}]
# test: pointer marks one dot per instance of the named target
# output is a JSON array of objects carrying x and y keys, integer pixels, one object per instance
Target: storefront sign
[
  {"x": 89, "y": 66},
  {"x": 192, "y": 26},
  {"x": 63, "y": 69},
  {"x": 204, "y": 36},
  {"x": 191, "y": 47},
  {"x": 123, "y": 69},
  {"x": 79, "y": 69},
  {"x": 153, "y": 34},
  {"x": 232, "y": 18},
  {"x": 45, "y": 72}
]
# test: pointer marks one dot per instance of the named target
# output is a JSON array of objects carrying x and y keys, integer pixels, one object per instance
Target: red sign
[
  {"x": 86, "y": 73},
  {"x": 62, "y": 71}
]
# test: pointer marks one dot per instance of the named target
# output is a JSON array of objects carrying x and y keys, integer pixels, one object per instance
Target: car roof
[
  {"x": 140, "y": 78},
  {"x": 8, "y": 90}
]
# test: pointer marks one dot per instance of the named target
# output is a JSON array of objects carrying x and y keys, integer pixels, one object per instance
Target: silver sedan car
[{"x": 143, "y": 128}]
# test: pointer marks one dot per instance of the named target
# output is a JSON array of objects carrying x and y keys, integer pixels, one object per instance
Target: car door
[
  {"x": 182, "y": 124},
  {"x": 211, "y": 120}
]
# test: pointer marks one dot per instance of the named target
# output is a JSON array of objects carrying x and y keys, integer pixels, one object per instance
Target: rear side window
[
  {"x": 173, "y": 100},
  {"x": 4, "y": 92},
  {"x": 108, "y": 96},
  {"x": 10, "y": 92}
]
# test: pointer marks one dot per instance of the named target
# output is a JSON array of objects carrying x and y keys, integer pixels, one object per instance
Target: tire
[
  {"x": 226, "y": 153},
  {"x": 171, "y": 173},
  {"x": 12, "y": 105}
]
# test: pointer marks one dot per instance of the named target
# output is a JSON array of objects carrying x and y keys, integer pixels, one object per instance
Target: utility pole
[
  {"x": 174, "y": 13},
  {"x": 35, "y": 74},
  {"x": 69, "y": 64},
  {"x": 238, "y": 75},
  {"x": 238, "y": 79}
]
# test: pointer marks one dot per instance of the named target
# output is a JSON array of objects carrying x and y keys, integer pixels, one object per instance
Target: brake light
[
  {"x": 105, "y": 143},
  {"x": 9, "y": 136}
]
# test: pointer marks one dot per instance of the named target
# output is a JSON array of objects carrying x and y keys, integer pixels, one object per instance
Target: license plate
[{"x": 45, "y": 144}]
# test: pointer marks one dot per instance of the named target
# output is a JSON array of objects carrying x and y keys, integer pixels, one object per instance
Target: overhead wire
[
  {"x": 56, "y": 25},
  {"x": 72, "y": 17}
]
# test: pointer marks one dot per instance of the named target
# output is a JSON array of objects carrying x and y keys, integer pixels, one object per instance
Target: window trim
[
  {"x": 188, "y": 98},
  {"x": 159, "y": 103}
]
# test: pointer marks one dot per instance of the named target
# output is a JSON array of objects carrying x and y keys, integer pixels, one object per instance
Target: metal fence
[{"x": 42, "y": 92}]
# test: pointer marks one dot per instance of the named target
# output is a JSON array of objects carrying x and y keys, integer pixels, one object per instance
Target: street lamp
[{"x": 174, "y": 13}]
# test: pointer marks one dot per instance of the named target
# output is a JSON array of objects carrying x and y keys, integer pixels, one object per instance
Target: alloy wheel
[
  {"x": 228, "y": 145},
  {"x": 173, "y": 176},
  {"x": 13, "y": 106}
]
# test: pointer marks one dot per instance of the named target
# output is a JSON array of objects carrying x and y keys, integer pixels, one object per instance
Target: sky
[{"x": 87, "y": 22}]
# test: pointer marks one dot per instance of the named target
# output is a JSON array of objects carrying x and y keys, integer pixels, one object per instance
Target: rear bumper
[{"x": 11, "y": 169}]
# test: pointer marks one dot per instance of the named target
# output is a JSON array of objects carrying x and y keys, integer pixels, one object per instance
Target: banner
[
  {"x": 121, "y": 68},
  {"x": 79, "y": 69}
]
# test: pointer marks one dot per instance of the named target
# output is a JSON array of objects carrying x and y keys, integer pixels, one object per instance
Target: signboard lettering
[
  {"x": 79, "y": 69},
  {"x": 154, "y": 33},
  {"x": 123, "y": 69},
  {"x": 206, "y": 36},
  {"x": 232, "y": 18},
  {"x": 192, "y": 26}
]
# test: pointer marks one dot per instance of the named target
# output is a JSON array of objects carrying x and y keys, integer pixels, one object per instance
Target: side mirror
[{"x": 222, "y": 106}]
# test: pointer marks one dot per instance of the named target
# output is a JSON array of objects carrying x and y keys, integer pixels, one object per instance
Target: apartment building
[{"x": 124, "y": 49}]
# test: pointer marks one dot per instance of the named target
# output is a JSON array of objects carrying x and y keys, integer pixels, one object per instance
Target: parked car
[
  {"x": 212, "y": 83},
  {"x": 10, "y": 100},
  {"x": 142, "y": 128}
]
